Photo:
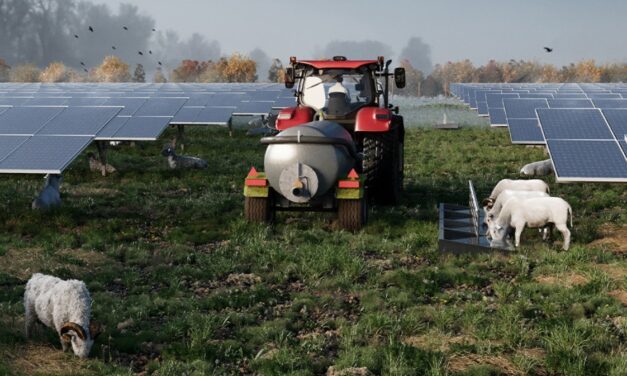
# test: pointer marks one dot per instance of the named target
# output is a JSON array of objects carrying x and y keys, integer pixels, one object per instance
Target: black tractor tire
[
  {"x": 352, "y": 214},
  {"x": 383, "y": 165},
  {"x": 258, "y": 209}
]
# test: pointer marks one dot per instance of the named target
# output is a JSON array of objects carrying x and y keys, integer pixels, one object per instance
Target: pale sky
[{"x": 456, "y": 29}]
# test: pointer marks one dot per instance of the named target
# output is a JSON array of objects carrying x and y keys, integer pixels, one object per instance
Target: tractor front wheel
[{"x": 352, "y": 214}]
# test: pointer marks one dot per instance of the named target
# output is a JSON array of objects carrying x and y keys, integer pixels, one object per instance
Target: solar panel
[
  {"x": 13, "y": 101},
  {"x": 574, "y": 124},
  {"x": 226, "y": 99},
  {"x": 284, "y": 102},
  {"x": 617, "y": 120},
  {"x": 44, "y": 154},
  {"x": 496, "y": 100},
  {"x": 161, "y": 107},
  {"x": 253, "y": 108},
  {"x": 570, "y": 103},
  {"x": 26, "y": 120},
  {"x": 9, "y": 143},
  {"x": 610, "y": 103},
  {"x": 80, "y": 121},
  {"x": 523, "y": 108},
  {"x": 215, "y": 115},
  {"x": 109, "y": 130},
  {"x": 47, "y": 102},
  {"x": 585, "y": 160},
  {"x": 131, "y": 105},
  {"x": 145, "y": 128},
  {"x": 525, "y": 131},
  {"x": 92, "y": 101},
  {"x": 497, "y": 117}
]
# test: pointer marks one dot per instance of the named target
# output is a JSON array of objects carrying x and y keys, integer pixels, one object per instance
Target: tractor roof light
[{"x": 339, "y": 58}]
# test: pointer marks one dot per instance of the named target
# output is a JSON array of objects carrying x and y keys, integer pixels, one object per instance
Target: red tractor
[{"x": 341, "y": 146}]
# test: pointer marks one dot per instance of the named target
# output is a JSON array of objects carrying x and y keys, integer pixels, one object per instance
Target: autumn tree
[
  {"x": 614, "y": 73},
  {"x": 237, "y": 68},
  {"x": 25, "y": 73},
  {"x": 139, "y": 75},
  {"x": 112, "y": 69},
  {"x": 587, "y": 71},
  {"x": 159, "y": 77},
  {"x": 4, "y": 71},
  {"x": 413, "y": 78},
  {"x": 491, "y": 72},
  {"x": 274, "y": 73},
  {"x": 190, "y": 71},
  {"x": 55, "y": 72}
]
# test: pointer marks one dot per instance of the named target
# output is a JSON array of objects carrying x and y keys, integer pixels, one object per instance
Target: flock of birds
[{"x": 125, "y": 28}]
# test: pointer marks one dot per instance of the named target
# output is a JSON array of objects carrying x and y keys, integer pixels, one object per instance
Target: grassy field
[{"x": 185, "y": 287}]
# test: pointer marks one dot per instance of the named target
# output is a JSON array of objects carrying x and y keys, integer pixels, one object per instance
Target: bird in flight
[
  {"x": 85, "y": 69},
  {"x": 154, "y": 29},
  {"x": 83, "y": 64},
  {"x": 124, "y": 27},
  {"x": 76, "y": 36},
  {"x": 141, "y": 53},
  {"x": 548, "y": 49},
  {"x": 150, "y": 52},
  {"x": 113, "y": 48},
  {"x": 160, "y": 63},
  {"x": 91, "y": 29}
]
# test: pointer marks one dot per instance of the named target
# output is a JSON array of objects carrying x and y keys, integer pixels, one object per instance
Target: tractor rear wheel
[
  {"x": 383, "y": 165},
  {"x": 352, "y": 214},
  {"x": 258, "y": 209}
]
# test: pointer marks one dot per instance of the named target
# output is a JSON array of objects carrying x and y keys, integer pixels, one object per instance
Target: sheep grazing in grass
[
  {"x": 537, "y": 212},
  {"x": 96, "y": 166},
  {"x": 514, "y": 185},
  {"x": 177, "y": 162},
  {"x": 64, "y": 306},
  {"x": 503, "y": 198},
  {"x": 50, "y": 197},
  {"x": 541, "y": 168}
]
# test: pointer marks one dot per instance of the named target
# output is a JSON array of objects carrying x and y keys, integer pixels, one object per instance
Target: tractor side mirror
[
  {"x": 399, "y": 77},
  {"x": 289, "y": 77}
]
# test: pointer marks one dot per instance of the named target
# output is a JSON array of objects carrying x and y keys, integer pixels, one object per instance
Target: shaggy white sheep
[
  {"x": 514, "y": 185},
  {"x": 64, "y": 306},
  {"x": 534, "y": 212},
  {"x": 50, "y": 196},
  {"x": 541, "y": 168}
]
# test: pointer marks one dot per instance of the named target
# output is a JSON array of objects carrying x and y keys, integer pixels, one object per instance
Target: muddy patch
[
  {"x": 564, "y": 280},
  {"x": 461, "y": 363}
]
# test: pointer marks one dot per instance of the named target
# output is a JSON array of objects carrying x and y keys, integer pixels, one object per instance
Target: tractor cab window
[{"x": 337, "y": 92}]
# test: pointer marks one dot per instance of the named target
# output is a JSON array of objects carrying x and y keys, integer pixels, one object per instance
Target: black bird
[
  {"x": 83, "y": 64},
  {"x": 91, "y": 29},
  {"x": 141, "y": 53},
  {"x": 548, "y": 49},
  {"x": 75, "y": 36},
  {"x": 159, "y": 63},
  {"x": 150, "y": 52},
  {"x": 113, "y": 47},
  {"x": 85, "y": 69},
  {"x": 124, "y": 27},
  {"x": 154, "y": 29}
]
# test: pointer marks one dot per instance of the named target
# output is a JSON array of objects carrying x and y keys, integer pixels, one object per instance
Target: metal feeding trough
[{"x": 462, "y": 228}]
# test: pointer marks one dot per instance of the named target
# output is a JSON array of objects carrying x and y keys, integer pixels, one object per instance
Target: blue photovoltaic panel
[
  {"x": 482, "y": 108},
  {"x": 610, "y": 103},
  {"x": 13, "y": 101},
  {"x": 131, "y": 105},
  {"x": 574, "y": 124},
  {"x": 80, "y": 121},
  {"x": 215, "y": 115},
  {"x": 147, "y": 128},
  {"x": 496, "y": 100},
  {"x": 497, "y": 117},
  {"x": 78, "y": 101},
  {"x": 536, "y": 96},
  {"x": 26, "y": 120},
  {"x": 570, "y": 103},
  {"x": 199, "y": 100},
  {"x": 617, "y": 119},
  {"x": 2, "y": 109},
  {"x": 525, "y": 131},
  {"x": 161, "y": 107},
  {"x": 262, "y": 95},
  {"x": 226, "y": 99},
  {"x": 584, "y": 160},
  {"x": 523, "y": 108},
  {"x": 187, "y": 115},
  {"x": 47, "y": 102},
  {"x": 109, "y": 130},
  {"x": 561, "y": 95},
  {"x": 44, "y": 154},
  {"x": 604, "y": 96},
  {"x": 9, "y": 143},
  {"x": 253, "y": 108},
  {"x": 284, "y": 102}
]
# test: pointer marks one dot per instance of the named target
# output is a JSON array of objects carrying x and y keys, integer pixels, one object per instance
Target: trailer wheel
[
  {"x": 384, "y": 166},
  {"x": 352, "y": 214},
  {"x": 258, "y": 209}
]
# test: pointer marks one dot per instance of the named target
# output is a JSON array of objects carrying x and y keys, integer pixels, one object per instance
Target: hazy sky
[{"x": 456, "y": 29}]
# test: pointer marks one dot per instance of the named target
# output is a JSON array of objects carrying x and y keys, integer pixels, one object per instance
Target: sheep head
[
  {"x": 488, "y": 202},
  {"x": 75, "y": 334}
]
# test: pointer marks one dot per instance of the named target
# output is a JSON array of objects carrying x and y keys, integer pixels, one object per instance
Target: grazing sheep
[
  {"x": 182, "y": 161},
  {"x": 536, "y": 212},
  {"x": 541, "y": 168},
  {"x": 64, "y": 306},
  {"x": 514, "y": 185},
  {"x": 96, "y": 166},
  {"x": 504, "y": 197},
  {"x": 50, "y": 197}
]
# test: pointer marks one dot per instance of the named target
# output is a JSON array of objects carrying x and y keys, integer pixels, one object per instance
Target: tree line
[{"x": 514, "y": 71}]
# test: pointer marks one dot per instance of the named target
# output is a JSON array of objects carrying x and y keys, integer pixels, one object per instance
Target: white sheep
[
  {"x": 504, "y": 197},
  {"x": 541, "y": 168},
  {"x": 534, "y": 212},
  {"x": 514, "y": 185},
  {"x": 50, "y": 196},
  {"x": 64, "y": 306}
]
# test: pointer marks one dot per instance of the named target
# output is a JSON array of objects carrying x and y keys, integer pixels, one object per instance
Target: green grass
[{"x": 210, "y": 294}]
